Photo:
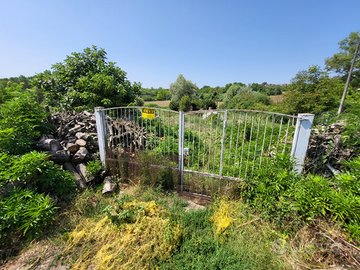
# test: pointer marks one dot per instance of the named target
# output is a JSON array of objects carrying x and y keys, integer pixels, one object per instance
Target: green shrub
[
  {"x": 24, "y": 169},
  {"x": 25, "y": 211},
  {"x": 153, "y": 105},
  {"x": 21, "y": 121},
  {"x": 32, "y": 168},
  {"x": 185, "y": 104},
  {"x": 55, "y": 180},
  {"x": 205, "y": 104},
  {"x": 174, "y": 105}
]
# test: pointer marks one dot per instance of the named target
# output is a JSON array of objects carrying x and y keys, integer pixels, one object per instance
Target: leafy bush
[
  {"x": 21, "y": 121},
  {"x": 174, "y": 105},
  {"x": 24, "y": 169},
  {"x": 207, "y": 103},
  {"x": 32, "y": 168},
  {"x": 53, "y": 179},
  {"x": 185, "y": 104},
  {"x": 25, "y": 211},
  {"x": 138, "y": 101}
]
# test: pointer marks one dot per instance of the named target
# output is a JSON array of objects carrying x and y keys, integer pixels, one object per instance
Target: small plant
[{"x": 94, "y": 168}]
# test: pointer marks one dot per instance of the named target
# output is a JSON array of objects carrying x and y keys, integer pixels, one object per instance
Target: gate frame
[{"x": 298, "y": 151}]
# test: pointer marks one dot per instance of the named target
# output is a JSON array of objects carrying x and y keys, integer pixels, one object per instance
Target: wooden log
[
  {"x": 72, "y": 147},
  {"x": 59, "y": 156},
  {"x": 80, "y": 155},
  {"x": 82, "y": 136},
  {"x": 81, "y": 168},
  {"x": 79, "y": 180},
  {"x": 75, "y": 129},
  {"x": 80, "y": 143},
  {"x": 49, "y": 145}
]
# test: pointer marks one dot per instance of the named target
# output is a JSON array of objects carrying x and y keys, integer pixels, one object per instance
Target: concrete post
[
  {"x": 101, "y": 132},
  {"x": 301, "y": 139}
]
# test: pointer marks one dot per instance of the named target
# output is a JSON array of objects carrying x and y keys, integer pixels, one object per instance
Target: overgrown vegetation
[{"x": 275, "y": 219}]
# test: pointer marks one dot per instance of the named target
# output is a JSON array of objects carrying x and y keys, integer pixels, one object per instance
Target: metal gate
[{"x": 205, "y": 150}]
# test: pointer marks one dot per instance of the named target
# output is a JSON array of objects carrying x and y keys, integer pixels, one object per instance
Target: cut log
[
  {"x": 49, "y": 145},
  {"x": 72, "y": 147},
  {"x": 75, "y": 129},
  {"x": 81, "y": 135},
  {"x": 79, "y": 180},
  {"x": 81, "y": 168},
  {"x": 80, "y": 155},
  {"x": 80, "y": 142},
  {"x": 59, "y": 156}
]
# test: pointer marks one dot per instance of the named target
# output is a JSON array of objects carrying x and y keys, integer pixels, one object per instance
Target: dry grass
[
  {"x": 320, "y": 245},
  {"x": 163, "y": 103},
  {"x": 277, "y": 98}
]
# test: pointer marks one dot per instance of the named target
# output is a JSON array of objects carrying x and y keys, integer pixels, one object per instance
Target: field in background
[
  {"x": 166, "y": 103},
  {"x": 277, "y": 99},
  {"x": 162, "y": 103}
]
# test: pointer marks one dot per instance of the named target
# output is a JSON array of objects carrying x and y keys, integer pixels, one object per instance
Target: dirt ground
[{"x": 39, "y": 255}]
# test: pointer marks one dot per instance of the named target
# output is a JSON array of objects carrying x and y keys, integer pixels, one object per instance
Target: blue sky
[{"x": 209, "y": 42}]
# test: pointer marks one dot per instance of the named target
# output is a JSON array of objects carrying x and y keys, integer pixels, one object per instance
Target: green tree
[
  {"x": 86, "y": 80},
  {"x": 163, "y": 94},
  {"x": 341, "y": 61},
  {"x": 312, "y": 91},
  {"x": 182, "y": 87},
  {"x": 236, "y": 89},
  {"x": 185, "y": 104}
]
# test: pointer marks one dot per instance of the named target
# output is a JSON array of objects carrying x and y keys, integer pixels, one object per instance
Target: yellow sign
[{"x": 148, "y": 113}]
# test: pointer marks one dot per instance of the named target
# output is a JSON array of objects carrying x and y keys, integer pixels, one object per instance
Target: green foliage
[
  {"x": 282, "y": 195},
  {"x": 207, "y": 103},
  {"x": 312, "y": 91},
  {"x": 52, "y": 179},
  {"x": 94, "y": 167},
  {"x": 341, "y": 61},
  {"x": 152, "y": 105},
  {"x": 185, "y": 104},
  {"x": 243, "y": 97},
  {"x": 21, "y": 121},
  {"x": 86, "y": 80},
  {"x": 31, "y": 168},
  {"x": 270, "y": 90},
  {"x": 182, "y": 87},
  {"x": 165, "y": 179},
  {"x": 25, "y": 211},
  {"x": 163, "y": 94},
  {"x": 265, "y": 190},
  {"x": 351, "y": 135},
  {"x": 174, "y": 105},
  {"x": 139, "y": 101},
  {"x": 24, "y": 169}
]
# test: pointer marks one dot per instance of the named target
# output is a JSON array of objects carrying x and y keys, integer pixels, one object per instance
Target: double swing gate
[{"x": 203, "y": 151}]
